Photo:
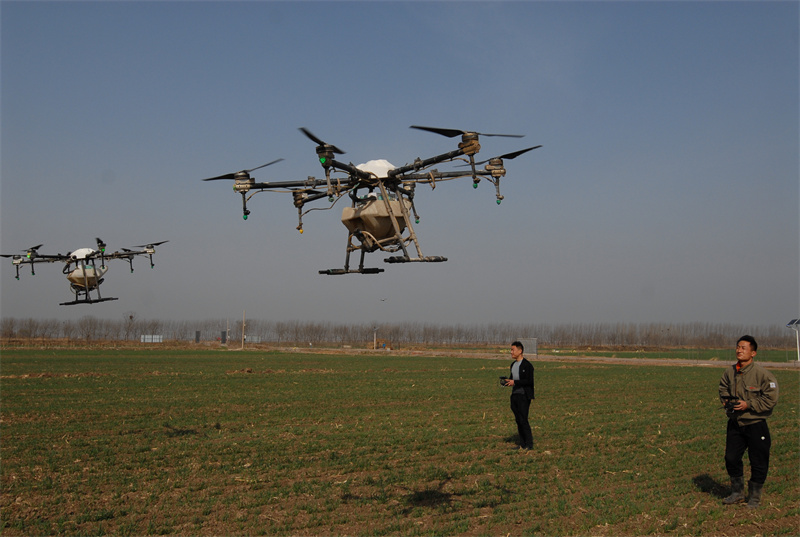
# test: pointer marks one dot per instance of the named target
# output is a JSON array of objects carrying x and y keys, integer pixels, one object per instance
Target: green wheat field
[{"x": 215, "y": 442}]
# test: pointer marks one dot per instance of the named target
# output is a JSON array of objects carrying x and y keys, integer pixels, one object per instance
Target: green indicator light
[
  {"x": 244, "y": 216},
  {"x": 498, "y": 201},
  {"x": 474, "y": 185},
  {"x": 322, "y": 160},
  {"x": 416, "y": 221}
]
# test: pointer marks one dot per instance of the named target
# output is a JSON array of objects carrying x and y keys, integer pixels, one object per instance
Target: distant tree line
[{"x": 131, "y": 328}]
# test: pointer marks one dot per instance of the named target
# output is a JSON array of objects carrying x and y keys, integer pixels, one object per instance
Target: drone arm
[
  {"x": 492, "y": 175},
  {"x": 310, "y": 183},
  {"x": 436, "y": 176},
  {"x": 352, "y": 170},
  {"x": 420, "y": 164}
]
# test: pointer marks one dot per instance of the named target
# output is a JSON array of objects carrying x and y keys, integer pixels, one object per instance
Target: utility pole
[{"x": 243, "y": 325}]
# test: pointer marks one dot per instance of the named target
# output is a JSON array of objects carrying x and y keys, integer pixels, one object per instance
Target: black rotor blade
[
  {"x": 264, "y": 165},
  {"x": 510, "y": 156},
  {"x": 217, "y": 178},
  {"x": 234, "y": 174},
  {"x": 452, "y": 133},
  {"x": 515, "y": 154},
  {"x": 317, "y": 141},
  {"x": 151, "y": 245}
]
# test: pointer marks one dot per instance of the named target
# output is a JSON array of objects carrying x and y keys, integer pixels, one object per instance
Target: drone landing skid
[
  {"x": 427, "y": 259},
  {"x": 368, "y": 270},
  {"x": 87, "y": 301},
  {"x": 394, "y": 259}
]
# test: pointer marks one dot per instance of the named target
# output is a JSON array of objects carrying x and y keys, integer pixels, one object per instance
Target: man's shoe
[
  {"x": 737, "y": 491},
  {"x": 754, "y": 496}
]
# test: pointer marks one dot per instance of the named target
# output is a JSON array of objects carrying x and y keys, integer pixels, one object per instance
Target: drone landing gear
[
  {"x": 367, "y": 270},
  {"x": 393, "y": 259},
  {"x": 426, "y": 259},
  {"x": 87, "y": 301}
]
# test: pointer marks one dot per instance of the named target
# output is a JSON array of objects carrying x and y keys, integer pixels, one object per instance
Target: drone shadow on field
[
  {"x": 430, "y": 497},
  {"x": 709, "y": 485}
]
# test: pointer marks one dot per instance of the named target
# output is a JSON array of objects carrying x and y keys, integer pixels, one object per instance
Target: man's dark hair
[
  {"x": 751, "y": 340},
  {"x": 518, "y": 345}
]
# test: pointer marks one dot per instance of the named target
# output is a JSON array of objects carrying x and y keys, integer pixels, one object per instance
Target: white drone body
[{"x": 84, "y": 267}]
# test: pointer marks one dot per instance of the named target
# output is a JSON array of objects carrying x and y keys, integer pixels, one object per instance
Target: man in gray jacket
[
  {"x": 749, "y": 393},
  {"x": 521, "y": 381}
]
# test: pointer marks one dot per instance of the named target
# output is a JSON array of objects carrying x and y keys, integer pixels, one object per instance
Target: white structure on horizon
[{"x": 794, "y": 324}]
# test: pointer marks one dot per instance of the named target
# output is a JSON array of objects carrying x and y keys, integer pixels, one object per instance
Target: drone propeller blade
[
  {"x": 317, "y": 141},
  {"x": 264, "y": 165},
  {"x": 515, "y": 154},
  {"x": 452, "y": 133},
  {"x": 510, "y": 156},
  {"x": 33, "y": 251},
  {"x": 151, "y": 245},
  {"x": 247, "y": 172},
  {"x": 217, "y": 178}
]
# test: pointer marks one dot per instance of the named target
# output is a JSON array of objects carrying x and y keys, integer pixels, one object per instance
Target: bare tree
[
  {"x": 8, "y": 327},
  {"x": 87, "y": 327}
]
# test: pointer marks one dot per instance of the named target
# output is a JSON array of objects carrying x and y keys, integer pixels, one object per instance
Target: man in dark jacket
[
  {"x": 749, "y": 393},
  {"x": 521, "y": 382}
]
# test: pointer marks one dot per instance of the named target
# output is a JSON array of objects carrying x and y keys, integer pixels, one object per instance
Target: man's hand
[
  {"x": 741, "y": 405},
  {"x": 510, "y": 382}
]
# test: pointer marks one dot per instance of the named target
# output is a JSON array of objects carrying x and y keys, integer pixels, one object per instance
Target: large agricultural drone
[
  {"x": 381, "y": 195},
  {"x": 81, "y": 267}
]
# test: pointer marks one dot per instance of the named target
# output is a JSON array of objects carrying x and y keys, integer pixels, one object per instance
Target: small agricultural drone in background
[
  {"x": 81, "y": 268},
  {"x": 381, "y": 195}
]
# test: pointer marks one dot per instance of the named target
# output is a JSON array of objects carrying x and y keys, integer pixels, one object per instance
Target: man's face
[
  {"x": 516, "y": 352},
  {"x": 743, "y": 352}
]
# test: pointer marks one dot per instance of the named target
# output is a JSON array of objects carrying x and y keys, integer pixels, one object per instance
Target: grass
[{"x": 154, "y": 442}]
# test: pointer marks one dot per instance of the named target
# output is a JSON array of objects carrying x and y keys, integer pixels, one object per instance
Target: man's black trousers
[
  {"x": 756, "y": 440},
  {"x": 520, "y": 405}
]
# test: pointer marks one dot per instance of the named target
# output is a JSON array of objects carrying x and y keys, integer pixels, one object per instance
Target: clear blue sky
[{"x": 666, "y": 189}]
